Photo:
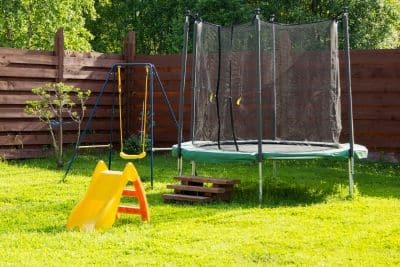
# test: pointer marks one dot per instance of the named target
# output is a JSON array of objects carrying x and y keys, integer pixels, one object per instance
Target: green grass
[{"x": 306, "y": 218}]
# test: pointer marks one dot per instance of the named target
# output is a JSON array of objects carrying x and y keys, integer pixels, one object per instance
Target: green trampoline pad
[{"x": 205, "y": 151}]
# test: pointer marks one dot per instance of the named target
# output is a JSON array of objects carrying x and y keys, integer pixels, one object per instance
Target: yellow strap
[{"x": 145, "y": 111}]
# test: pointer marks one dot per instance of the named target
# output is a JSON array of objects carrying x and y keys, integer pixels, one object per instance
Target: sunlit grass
[{"x": 306, "y": 217}]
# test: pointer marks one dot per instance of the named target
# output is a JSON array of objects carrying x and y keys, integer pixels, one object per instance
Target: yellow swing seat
[{"x": 137, "y": 156}]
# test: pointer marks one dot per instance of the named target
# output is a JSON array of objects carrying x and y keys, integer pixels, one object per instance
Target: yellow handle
[{"x": 238, "y": 101}]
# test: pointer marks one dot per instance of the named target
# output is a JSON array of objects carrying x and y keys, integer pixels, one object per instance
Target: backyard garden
[
  {"x": 306, "y": 217},
  {"x": 294, "y": 103}
]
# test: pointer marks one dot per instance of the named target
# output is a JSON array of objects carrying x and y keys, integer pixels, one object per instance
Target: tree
[
  {"x": 372, "y": 23},
  {"x": 158, "y": 23},
  {"x": 55, "y": 101},
  {"x": 32, "y": 23}
]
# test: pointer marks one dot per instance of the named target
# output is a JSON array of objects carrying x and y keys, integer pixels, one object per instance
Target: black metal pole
[
  {"x": 272, "y": 20},
  {"x": 217, "y": 90},
  {"x": 230, "y": 93},
  {"x": 171, "y": 110},
  {"x": 258, "y": 85},
  {"x": 83, "y": 134},
  {"x": 348, "y": 80},
  {"x": 259, "y": 99},
  {"x": 349, "y": 99},
  {"x": 151, "y": 85},
  {"x": 194, "y": 83},
  {"x": 182, "y": 87},
  {"x": 112, "y": 122}
]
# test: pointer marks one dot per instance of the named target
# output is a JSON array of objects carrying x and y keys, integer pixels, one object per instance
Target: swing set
[
  {"x": 142, "y": 154},
  {"x": 114, "y": 75}
]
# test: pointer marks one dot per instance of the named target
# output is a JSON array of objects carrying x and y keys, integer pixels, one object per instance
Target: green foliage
[
  {"x": 133, "y": 144},
  {"x": 33, "y": 23},
  {"x": 305, "y": 221},
  {"x": 103, "y": 24},
  {"x": 159, "y": 24},
  {"x": 53, "y": 103}
]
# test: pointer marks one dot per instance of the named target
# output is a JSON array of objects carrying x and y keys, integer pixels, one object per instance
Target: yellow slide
[{"x": 99, "y": 207}]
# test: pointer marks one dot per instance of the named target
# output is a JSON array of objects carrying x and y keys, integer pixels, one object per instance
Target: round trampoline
[
  {"x": 264, "y": 90},
  {"x": 207, "y": 151}
]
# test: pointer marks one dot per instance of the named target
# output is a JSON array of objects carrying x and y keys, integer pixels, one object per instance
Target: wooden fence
[{"x": 375, "y": 79}]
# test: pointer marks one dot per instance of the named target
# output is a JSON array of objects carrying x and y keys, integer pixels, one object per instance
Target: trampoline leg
[
  {"x": 274, "y": 169},
  {"x": 180, "y": 167},
  {"x": 351, "y": 176},
  {"x": 260, "y": 182},
  {"x": 193, "y": 167}
]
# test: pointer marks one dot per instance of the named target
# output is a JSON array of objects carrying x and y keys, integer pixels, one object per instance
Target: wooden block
[
  {"x": 186, "y": 198},
  {"x": 202, "y": 179},
  {"x": 215, "y": 190}
]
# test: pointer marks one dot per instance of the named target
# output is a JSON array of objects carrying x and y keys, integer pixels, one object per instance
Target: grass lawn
[{"x": 305, "y": 219}]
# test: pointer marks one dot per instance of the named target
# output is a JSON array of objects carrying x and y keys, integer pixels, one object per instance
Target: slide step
[
  {"x": 202, "y": 179},
  {"x": 216, "y": 190},
  {"x": 186, "y": 198}
]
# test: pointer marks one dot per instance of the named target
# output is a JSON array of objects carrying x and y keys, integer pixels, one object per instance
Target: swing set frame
[{"x": 114, "y": 75}]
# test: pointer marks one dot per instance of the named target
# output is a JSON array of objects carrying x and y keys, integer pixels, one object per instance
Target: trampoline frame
[{"x": 344, "y": 17}]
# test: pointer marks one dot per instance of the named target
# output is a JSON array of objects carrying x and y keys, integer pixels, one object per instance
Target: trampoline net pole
[
  {"x": 182, "y": 83},
  {"x": 193, "y": 99},
  {"x": 349, "y": 99},
  {"x": 259, "y": 102},
  {"x": 258, "y": 85},
  {"x": 348, "y": 81},
  {"x": 273, "y": 78}
]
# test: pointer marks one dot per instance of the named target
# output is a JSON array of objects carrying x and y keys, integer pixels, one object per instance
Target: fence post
[
  {"x": 59, "y": 52},
  {"x": 129, "y": 93}
]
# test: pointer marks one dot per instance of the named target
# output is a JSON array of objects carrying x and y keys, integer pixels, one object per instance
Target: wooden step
[
  {"x": 202, "y": 179},
  {"x": 186, "y": 198},
  {"x": 215, "y": 190}
]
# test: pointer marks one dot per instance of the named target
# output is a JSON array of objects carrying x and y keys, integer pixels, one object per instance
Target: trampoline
[
  {"x": 266, "y": 91},
  {"x": 207, "y": 151}
]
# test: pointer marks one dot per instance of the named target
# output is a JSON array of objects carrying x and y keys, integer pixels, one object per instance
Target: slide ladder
[{"x": 101, "y": 204}]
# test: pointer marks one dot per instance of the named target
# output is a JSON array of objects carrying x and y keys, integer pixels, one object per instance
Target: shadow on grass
[
  {"x": 298, "y": 182},
  {"x": 281, "y": 194},
  {"x": 52, "y": 229},
  {"x": 247, "y": 195}
]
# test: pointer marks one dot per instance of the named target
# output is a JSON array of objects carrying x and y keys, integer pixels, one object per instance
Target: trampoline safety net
[{"x": 299, "y": 80}]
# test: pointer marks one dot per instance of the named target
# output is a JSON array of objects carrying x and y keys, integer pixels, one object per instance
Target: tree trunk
[{"x": 60, "y": 162}]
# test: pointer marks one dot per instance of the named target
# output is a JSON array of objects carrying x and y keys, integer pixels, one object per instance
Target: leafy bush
[
  {"x": 133, "y": 144},
  {"x": 53, "y": 103}
]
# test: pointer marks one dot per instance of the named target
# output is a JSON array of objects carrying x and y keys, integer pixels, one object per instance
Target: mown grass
[{"x": 305, "y": 218}]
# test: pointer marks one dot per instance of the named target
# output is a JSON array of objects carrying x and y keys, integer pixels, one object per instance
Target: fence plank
[
  {"x": 18, "y": 113},
  {"x": 45, "y": 139},
  {"x": 27, "y": 72},
  {"x": 24, "y": 52},
  {"x": 34, "y": 125},
  {"x": 90, "y": 62},
  {"x": 106, "y": 100},
  {"x": 27, "y": 59}
]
